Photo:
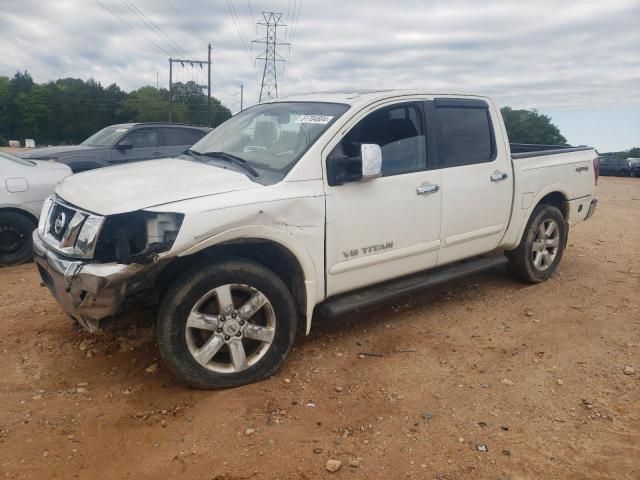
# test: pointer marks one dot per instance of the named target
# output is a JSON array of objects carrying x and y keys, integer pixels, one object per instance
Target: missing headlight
[{"x": 137, "y": 236}]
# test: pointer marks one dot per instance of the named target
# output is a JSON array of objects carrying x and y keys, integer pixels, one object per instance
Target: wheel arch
[
  {"x": 287, "y": 259},
  {"x": 20, "y": 211},
  {"x": 553, "y": 195}
]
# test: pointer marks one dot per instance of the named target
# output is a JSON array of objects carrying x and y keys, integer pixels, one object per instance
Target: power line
[
  {"x": 242, "y": 39},
  {"x": 251, "y": 11},
  {"x": 297, "y": 22},
  {"x": 132, "y": 27},
  {"x": 288, "y": 11},
  {"x": 155, "y": 29},
  {"x": 176, "y": 10}
]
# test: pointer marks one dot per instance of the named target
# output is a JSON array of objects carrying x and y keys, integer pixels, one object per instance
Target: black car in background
[
  {"x": 124, "y": 143},
  {"x": 613, "y": 165}
]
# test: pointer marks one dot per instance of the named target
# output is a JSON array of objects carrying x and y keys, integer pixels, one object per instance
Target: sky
[{"x": 575, "y": 60}]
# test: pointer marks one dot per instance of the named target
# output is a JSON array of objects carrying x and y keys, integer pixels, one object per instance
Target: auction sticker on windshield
[{"x": 319, "y": 119}]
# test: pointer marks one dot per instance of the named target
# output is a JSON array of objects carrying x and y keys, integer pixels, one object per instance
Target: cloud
[{"x": 544, "y": 54}]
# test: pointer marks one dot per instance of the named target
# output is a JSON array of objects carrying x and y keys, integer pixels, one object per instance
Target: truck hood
[
  {"x": 126, "y": 188},
  {"x": 46, "y": 153}
]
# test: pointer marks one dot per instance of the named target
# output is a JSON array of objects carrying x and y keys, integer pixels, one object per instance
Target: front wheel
[
  {"x": 542, "y": 245},
  {"x": 226, "y": 324}
]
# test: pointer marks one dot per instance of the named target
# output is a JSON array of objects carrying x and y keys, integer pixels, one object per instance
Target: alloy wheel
[
  {"x": 545, "y": 244},
  {"x": 230, "y": 328}
]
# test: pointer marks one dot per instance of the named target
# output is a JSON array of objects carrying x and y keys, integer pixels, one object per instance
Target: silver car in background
[{"x": 24, "y": 185}]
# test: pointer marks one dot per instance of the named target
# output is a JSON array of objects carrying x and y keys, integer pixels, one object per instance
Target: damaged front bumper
[{"x": 89, "y": 291}]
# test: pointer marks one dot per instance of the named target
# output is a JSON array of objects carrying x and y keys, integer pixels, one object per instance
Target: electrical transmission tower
[{"x": 270, "y": 56}]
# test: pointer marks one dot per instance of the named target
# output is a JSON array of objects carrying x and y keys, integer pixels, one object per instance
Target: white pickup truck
[{"x": 307, "y": 207}]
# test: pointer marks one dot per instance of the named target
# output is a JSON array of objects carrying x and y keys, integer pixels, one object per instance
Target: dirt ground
[{"x": 536, "y": 374}]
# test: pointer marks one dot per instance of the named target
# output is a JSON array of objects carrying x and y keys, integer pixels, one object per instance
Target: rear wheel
[
  {"x": 541, "y": 247},
  {"x": 226, "y": 324},
  {"x": 15, "y": 238}
]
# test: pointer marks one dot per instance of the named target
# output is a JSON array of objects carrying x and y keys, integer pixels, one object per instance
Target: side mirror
[
  {"x": 342, "y": 169},
  {"x": 371, "y": 155},
  {"x": 124, "y": 145}
]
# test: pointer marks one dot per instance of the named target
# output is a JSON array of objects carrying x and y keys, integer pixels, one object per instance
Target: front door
[
  {"x": 145, "y": 145},
  {"x": 477, "y": 180},
  {"x": 389, "y": 226}
]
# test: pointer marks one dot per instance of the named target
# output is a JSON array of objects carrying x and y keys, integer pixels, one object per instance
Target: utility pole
[
  {"x": 241, "y": 96},
  {"x": 209, "y": 88},
  {"x": 200, "y": 63},
  {"x": 170, "y": 89},
  {"x": 269, "y": 86}
]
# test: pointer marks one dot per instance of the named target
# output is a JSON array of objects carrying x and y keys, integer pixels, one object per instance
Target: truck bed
[{"x": 527, "y": 150}]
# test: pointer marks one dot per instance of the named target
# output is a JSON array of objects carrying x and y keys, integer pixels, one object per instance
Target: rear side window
[
  {"x": 466, "y": 135},
  {"x": 181, "y": 136},
  {"x": 142, "y": 138}
]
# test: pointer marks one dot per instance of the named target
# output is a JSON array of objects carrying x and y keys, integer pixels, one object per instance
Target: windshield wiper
[{"x": 241, "y": 162}]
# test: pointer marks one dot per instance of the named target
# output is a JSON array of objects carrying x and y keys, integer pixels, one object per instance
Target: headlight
[
  {"x": 137, "y": 237},
  {"x": 163, "y": 228},
  {"x": 44, "y": 215}
]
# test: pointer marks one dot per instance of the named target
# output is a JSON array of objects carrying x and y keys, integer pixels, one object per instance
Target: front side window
[
  {"x": 466, "y": 136},
  {"x": 142, "y": 138},
  {"x": 271, "y": 137},
  {"x": 105, "y": 137},
  {"x": 400, "y": 133}
]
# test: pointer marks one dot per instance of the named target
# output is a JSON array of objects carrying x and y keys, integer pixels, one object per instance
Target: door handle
[
  {"x": 428, "y": 188},
  {"x": 498, "y": 176}
]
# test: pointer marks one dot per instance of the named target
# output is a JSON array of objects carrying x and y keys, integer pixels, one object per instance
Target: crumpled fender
[{"x": 286, "y": 239}]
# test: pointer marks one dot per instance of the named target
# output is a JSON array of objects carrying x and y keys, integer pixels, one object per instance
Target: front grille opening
[
  {"x": 60, "y": 216},
  {"x": 121, "y": 237}
]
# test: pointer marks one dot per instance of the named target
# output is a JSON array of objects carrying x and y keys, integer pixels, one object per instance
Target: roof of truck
[
  {"x": 162, "y": 124},
  {"x": 354, "y": 97}
]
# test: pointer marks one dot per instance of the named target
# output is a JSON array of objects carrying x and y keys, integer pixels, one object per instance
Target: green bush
[{"x": 3, "y": 141}]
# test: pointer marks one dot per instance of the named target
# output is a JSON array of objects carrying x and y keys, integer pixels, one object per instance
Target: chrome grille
[
  {"x": 59, "y": 220},
  {"x": 71, "y": 231}
]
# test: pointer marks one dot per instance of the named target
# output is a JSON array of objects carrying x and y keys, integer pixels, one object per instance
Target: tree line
[{"x": 68, "y": 110}]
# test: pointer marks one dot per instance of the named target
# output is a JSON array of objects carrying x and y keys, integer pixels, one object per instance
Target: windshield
[
  {"x": 15, "y": 159},
  {"x": 272, "y": 137},
  {"x": 105, "y": 137}
]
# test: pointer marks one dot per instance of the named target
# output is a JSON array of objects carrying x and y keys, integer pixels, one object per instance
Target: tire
[
  {"x": 193, "y": 323},
  {"x": 528, "y": 260},
  {"x": 16, "y": 244}
]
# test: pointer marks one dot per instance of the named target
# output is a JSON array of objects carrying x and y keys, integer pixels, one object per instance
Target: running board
[{"x": 370, "y": 296}]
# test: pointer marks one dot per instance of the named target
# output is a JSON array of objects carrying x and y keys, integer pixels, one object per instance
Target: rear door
[
  {"x": 176, "y": 140},
  {"x": 145, "y": 145},
  {"x": 477, "y": 180}
]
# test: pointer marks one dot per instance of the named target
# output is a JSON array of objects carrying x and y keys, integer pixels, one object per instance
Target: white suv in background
[{"x": 24, "y": 185}]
